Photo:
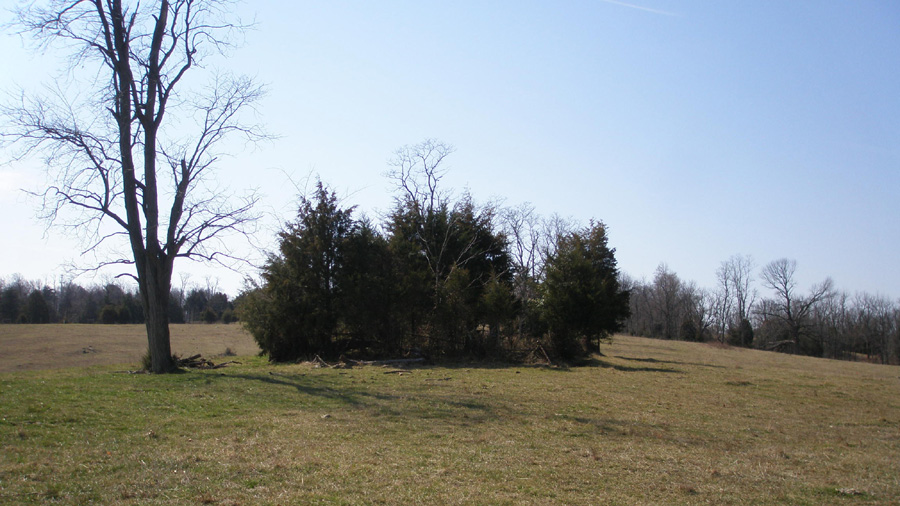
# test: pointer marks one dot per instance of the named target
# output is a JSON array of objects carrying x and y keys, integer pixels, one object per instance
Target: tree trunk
[{"x": 155, "y": 295}]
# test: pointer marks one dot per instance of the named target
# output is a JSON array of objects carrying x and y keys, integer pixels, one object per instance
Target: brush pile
[{"x": 198, "y": 362}]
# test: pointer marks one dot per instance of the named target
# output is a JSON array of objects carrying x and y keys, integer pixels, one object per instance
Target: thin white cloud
[{"x": 640, "y": 8}]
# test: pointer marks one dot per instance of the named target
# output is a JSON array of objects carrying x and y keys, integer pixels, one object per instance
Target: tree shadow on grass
[
  {"x": 655, "y": 361},
  {"x": 596, "y": 362},
  {"x": 451, "y": 407},
  {"x": 559, "y": 366},
  {"x": 304, "y": 385}
]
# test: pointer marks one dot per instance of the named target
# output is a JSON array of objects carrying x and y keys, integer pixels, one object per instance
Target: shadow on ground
[
  {"x": 655, "y": 361},
  {"x": 597, "y": 362}
]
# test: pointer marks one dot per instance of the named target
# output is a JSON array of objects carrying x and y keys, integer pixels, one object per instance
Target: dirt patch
[{"x": 31, "y": 347}]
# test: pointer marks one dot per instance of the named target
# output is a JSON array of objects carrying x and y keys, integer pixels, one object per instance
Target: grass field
[
  {"x": 652, "y": 422},
  {"x": 29, "y": 347}
]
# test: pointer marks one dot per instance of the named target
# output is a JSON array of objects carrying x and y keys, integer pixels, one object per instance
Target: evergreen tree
[
  {"x": 447, "y": 256},
  {"x": 209, "y": 316},
  {"x": 176, "y": 311},
  {"x": 12, "y": 298},
  {"x": 294, "y": 314},
  {"x": 36, "y": 309},
  {"x": 367, "y": 305},
  {"x": 582, "y": 299}
]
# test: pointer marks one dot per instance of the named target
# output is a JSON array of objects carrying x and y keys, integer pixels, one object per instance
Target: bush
[
  {"x": 229, "y": 316},
  {"x": 124, "y": 315},
  {"x": 109, "y": 314},
  {"x": 742, "y": 335},
  {"x": 209, "y": 316},
  {"x": 689, "y": 331},
  {"x": 269, "y": 324}
]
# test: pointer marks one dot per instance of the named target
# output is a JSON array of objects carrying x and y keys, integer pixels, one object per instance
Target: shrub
[
  {"x": 209, "y": 316},
  {"x": 109, "y": 314},
  {"x": 229, "y": 316}
]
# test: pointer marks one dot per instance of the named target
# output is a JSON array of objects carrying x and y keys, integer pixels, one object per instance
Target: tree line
[
  {"x": 443, "y": 275},
  {"x": 440, "y": 276},
  {"x": 822, "y": 321},
  {"x": 23, "y": 301}
]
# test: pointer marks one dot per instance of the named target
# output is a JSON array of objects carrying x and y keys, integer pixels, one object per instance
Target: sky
[{"x": 694, "y": 130}]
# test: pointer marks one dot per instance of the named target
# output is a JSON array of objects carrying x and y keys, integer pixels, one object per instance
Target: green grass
[{"x": 652, "y": 422}]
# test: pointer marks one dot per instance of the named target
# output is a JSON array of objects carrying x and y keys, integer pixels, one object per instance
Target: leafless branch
[{"x": 103, "y": 152}]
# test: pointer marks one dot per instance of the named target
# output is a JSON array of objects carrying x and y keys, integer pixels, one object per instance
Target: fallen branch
[
  {"x": 319, "y": 362},
  {"x": 198, "y": 362},
  {"x": 398, "y": 361},
  {"x": 544, "y": 352},
  {"x": 778, "y": 344},
  {"x": 223, "y": 364}
]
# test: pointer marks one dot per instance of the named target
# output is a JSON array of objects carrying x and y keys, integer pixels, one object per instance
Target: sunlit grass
[
  {"x": 29, "y": 347},
  {"x": 651, "y": 422}
]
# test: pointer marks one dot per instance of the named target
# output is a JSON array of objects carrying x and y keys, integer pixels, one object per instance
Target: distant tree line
[
  {"x": 439, "y": 276},
  {"x": 24, "y": 301},
  {"x": 821, "y": 322}
]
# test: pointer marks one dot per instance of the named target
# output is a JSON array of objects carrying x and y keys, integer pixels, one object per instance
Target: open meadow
[
  {"x": 650, "y": 422},
  {"x": 30, "y": 347}
]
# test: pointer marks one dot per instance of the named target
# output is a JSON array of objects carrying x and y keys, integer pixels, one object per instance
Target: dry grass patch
[
  {"x": 32, "y": 347},
  {"x": 652, "y": 422}
]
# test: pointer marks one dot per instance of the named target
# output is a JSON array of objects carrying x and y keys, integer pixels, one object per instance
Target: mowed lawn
[{"x": 651, "y": 422}]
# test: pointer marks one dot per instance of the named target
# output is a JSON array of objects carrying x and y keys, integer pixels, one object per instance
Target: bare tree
[
  {"x": 417, "y": 172},
  {"x": 641, "y": 321},
  {"x": 454, "y": 243},
  {"x": 788, "y": 307},
  {"x": 524, "y": 229},
  {"x": 109, "y": 157},
  {"x": 700, "y": 306},
  {"x": 723, "y": 301},
  {"x": 735, "y": 295},
  {"x": 740, "y": 269},
  {"x": 876, "y": 325},
  {"x": 523, "y": 226},
  {"x": 666, "y": 297},
  {"x": 834, "y": 331}
]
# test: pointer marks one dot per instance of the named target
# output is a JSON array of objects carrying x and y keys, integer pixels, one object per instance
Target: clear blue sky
[{"x": 695, "y": 130}]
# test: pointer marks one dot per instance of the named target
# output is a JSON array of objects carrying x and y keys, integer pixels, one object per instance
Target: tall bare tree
[
  {"x": 417, "y": 172},
  {"x": 107, "y": 153},
  {"x": 524, "y": 229},
  {"x": 740, "y": 268},
  {"x": 735, "y": 295},
  {"x": 700, "y": 306},
  {"x": 666, "y": 298},
  {"x": 791, "y": 309},
  {"x": 724, "y": 301},
  {"x": 876, "y": 325}
]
